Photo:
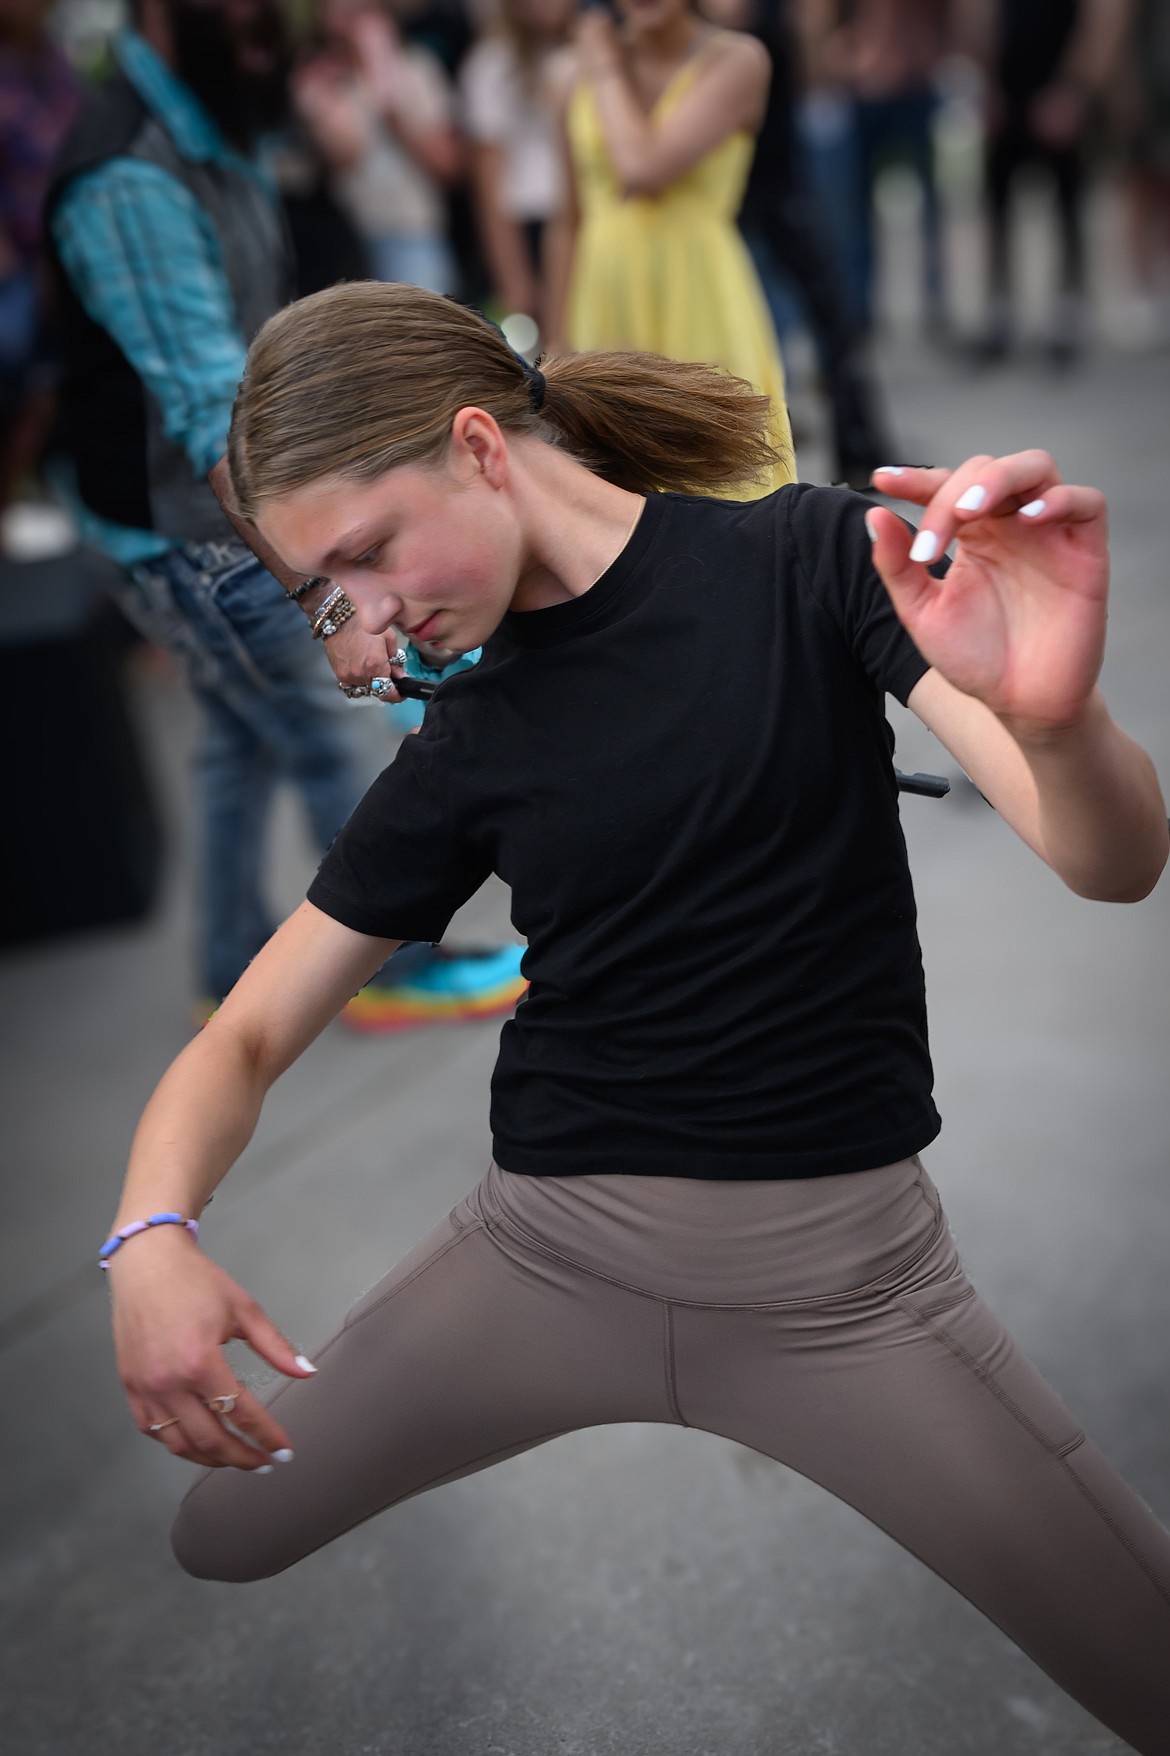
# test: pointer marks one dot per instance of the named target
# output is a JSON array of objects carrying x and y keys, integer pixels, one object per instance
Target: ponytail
[
  {"x": 647, "y": 423},
  {"x": 369, "y": 375}
]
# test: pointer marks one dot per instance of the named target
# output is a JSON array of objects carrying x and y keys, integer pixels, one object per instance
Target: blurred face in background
[
  {"x": 650, "y": 17},
  {"x": 336, "y": 15},
  {"x": 234, "y": 55},
  {"x": 341, "y": 24},
  {"x": 543, "y": 20}
]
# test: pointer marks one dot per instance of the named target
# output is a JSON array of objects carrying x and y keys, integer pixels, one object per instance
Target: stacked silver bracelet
[{"x": 335, "y": 610}]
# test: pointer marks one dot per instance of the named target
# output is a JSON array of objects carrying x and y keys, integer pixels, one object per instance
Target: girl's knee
[{"x": 227, "y": 1542}]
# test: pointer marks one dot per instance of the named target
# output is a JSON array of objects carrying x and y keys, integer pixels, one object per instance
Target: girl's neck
[{"x": 575, "y": 524}]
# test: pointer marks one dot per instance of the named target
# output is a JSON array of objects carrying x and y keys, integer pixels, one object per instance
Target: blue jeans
[
  {"x": 899, "y": 128},
  {"x": 422, "y": 261},
  {"x": 271, "y": 710},
  {"x": 845, "y": 144}
]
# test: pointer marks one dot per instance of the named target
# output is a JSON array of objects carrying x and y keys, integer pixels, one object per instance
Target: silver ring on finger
[
  {"x": 221, "y": 1405},
  {"x": 355, "y": 691}
]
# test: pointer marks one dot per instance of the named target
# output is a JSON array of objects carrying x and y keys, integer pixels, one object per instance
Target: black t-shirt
[{"x": 685, "y": 777}]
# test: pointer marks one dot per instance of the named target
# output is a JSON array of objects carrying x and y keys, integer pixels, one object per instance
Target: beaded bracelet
[
  {"x": 330, "y": 615},
  {"x": 143, "y": 1225},
  {"x": 321, "y": 613},
  {"x": 339, "y": 615},
  {"x": 306, "y": 586}
]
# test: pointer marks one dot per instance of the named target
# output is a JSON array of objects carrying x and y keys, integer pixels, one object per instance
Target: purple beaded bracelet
[{"x": 143, "y": 1225}]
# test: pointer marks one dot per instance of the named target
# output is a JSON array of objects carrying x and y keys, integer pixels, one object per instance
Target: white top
[
  {"x": 502, "y": 108},
  {"x": 386, "y": 193}
]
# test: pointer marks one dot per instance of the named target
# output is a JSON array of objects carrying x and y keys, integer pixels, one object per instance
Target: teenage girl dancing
[{"x": 706, "y": 1205}]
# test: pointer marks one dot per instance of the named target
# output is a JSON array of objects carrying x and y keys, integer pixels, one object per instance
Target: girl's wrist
[
  {"x": 1043, "y": 736},
  {"x": 160, "y": 1222}
]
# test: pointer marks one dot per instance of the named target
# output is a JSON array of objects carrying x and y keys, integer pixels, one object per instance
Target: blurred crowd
[
  {"x": 696, "y": 178},
  {"x": 423, "y": 140}
]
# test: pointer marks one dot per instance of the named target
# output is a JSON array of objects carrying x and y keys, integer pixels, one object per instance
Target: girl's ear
[{"x": 478, "y": 447}]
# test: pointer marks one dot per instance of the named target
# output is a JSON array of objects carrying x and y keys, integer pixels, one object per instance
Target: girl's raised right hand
[{"x": 174, "y": 1308}]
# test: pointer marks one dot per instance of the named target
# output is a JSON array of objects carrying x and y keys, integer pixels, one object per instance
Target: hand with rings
[
  {"x": 223, "y": 1405},
  {"x": 174, "y": 1309},
  {"x": 378, "y": 688},
  {"x": 219, "y": 1405}
]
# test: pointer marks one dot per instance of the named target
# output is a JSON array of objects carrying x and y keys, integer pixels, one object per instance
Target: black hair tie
[
  {"x": 533, "y": 376},
  {"x": 537, "y": 385}
]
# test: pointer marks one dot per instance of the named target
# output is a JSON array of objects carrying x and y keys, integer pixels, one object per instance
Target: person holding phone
[
  {"x": 707, "y": 1205},
  {"x": 660, "y": 113}
]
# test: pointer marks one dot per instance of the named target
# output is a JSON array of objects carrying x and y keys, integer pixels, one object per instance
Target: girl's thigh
[
  {"x": 465, "y": 1354},
  {"x": 911, "y": 1402}
]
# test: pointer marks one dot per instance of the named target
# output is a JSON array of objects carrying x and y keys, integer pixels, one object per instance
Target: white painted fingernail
[
  {"x": 263, "y": 1469},
  {"x": 1033, "y": 509},
  {"x": 890, "y": 469},
  {"x": 873, "y": 536},
  {"x": 284, "y": 1455},
  {"x": 305, "y": 1365},
  {"x": 924, "y": 547},
  {"x": 972, "y": 500}
]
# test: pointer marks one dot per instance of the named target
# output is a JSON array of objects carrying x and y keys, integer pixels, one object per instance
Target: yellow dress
[{"x": 670, "y": 273}]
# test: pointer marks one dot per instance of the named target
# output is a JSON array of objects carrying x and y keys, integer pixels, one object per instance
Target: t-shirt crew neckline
[{"x": 613, "y": 595}]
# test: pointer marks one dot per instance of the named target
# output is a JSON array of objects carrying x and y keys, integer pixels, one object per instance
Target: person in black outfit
[
  {"x": 707, "y": 1206},
  {"x": 780, "y": 224},
  {"x": 1047, "y": 60}
]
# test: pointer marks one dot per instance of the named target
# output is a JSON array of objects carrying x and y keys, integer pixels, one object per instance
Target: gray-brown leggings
[{"x": 826, "y": 1322}]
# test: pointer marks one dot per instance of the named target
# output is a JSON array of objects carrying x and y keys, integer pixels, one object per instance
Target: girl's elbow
[
  {"x": 1138, "y": 891},
  {"x": 1132, "y": 886},
  {"x": 1130, "y": 893}
]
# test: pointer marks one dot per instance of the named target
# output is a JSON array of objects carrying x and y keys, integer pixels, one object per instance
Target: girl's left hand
[{"x": 1019, "y": 620}]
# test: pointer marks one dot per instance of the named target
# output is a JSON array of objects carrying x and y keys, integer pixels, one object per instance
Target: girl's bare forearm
[
  {"x": 202, "y": 1115},
  {"x": 1101, "y": 812}
]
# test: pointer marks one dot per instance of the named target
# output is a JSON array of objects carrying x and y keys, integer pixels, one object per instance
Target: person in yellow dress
[{"x": 660, "y": 117}]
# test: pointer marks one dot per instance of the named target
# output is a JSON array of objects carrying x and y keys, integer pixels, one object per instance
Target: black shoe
[{"x": 860, "y": 444}]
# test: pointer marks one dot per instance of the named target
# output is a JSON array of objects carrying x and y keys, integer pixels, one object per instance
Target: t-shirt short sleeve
[
  {"x": 834, "y": 558},
  {"x": 402, "y": 864}
]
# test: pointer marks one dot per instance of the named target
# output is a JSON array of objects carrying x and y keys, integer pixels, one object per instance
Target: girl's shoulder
[
  {"x": 731, "y": 64},
  {"x": 733, "y": 49}
]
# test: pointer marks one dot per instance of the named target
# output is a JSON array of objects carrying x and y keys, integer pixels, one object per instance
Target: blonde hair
[{"x": 369, "y": 375}]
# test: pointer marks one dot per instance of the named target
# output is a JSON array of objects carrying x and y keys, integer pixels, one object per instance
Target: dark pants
[
  {"x": 897, "y": 130},
  {"x": 1011, "y": 149},
  {"x": 826, "y": 1322},
  {"x": 793, "y": 254}
]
